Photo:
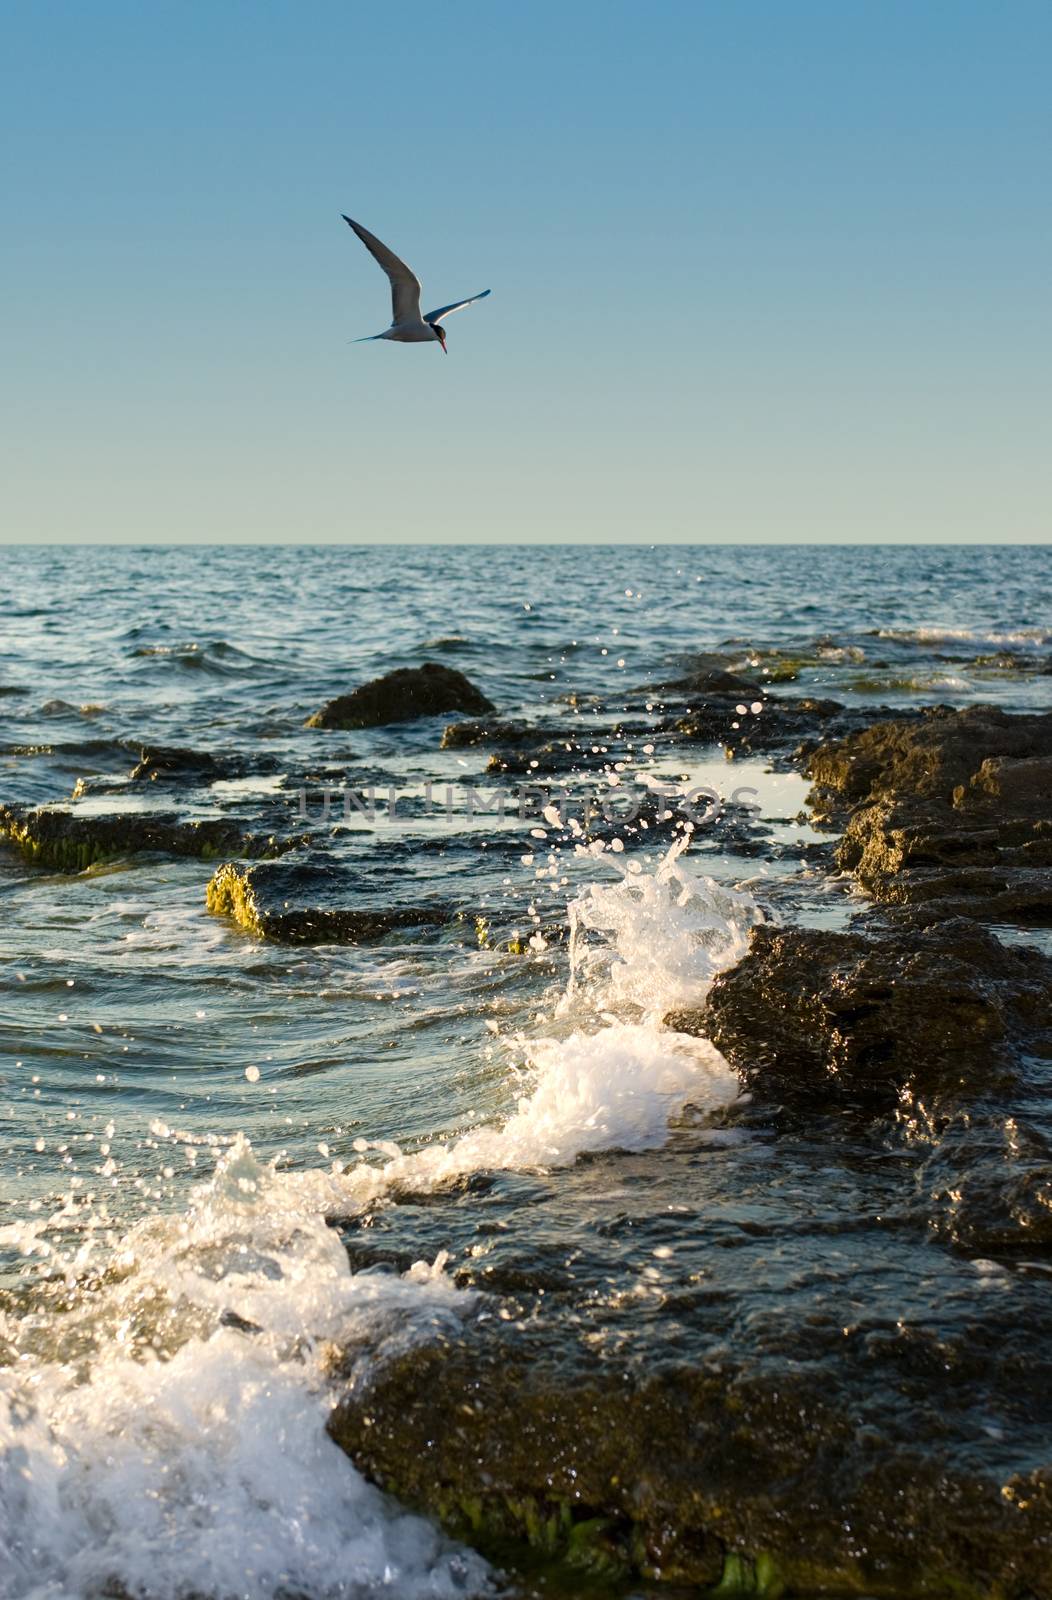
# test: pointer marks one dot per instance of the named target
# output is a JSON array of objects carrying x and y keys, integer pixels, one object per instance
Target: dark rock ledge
[
  {"x": 936, "y": 1013},
  {"x": 65, "y": 841},
  {"x": 764, "y": 1469},
  {"x": 780, "y": 725}
]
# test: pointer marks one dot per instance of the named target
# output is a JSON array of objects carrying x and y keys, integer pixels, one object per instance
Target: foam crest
[
  {"x": 946, "y": 635},
  {"x": 614, "y": 1089}
]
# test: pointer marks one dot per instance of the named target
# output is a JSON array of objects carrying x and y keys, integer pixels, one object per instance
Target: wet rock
[
  {"x": 170, "y": 764},
  {"x": 553, "y": 756},
  {"x": 172, "y": 767},
  {"x": 306, "y": 899},
  {"x": 465, "y": 735},
  {"x": 928, "y": 756},
  {"x": 986, "y": 1186},
  {"x": 1021, "y": 898},
  {"x": 710, "y": 675},
  {"x": 921, "y": 854},
  {"x": 1010, "y": 787},
  {"x": 950, "y": 813},
  {"x": 402, "y": 695},
  {"x": 162, "y": 762},
  {"x": 775, "y": 722},
  {"x": 811, "y": 1014},
  {"x": 67, "y": 841},
  {"x": 719, "y": 1475}
]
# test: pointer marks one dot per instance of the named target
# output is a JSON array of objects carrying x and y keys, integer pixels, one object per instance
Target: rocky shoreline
[
  {"x": 786, "y": 1477},
  {"x": 780, "y": 1436}
]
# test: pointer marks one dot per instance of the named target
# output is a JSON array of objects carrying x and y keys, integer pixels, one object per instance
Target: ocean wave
[
  {"x": 167, "y": 1434},
  {"x": 215, "y": 656},
  {"x": 608, "y": 1074},
  {"x": 173, "y": 1440},
  {"x": 63, "y": 708},
  {"x": 909, "y": 683}
]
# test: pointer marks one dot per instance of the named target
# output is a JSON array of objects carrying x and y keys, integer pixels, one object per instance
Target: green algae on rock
[
  {"x": 69, "y": 841},
  {"x": 730, "y": 1480},
  {"x": 306, "y": 900},
  {"x": 402, "y": 695}
]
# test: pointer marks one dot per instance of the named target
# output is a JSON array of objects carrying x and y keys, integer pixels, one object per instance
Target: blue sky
[{"x": 761, "y": 270}]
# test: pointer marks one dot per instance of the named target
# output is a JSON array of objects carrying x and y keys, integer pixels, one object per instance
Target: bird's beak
[{"x": 442, "y": 342}]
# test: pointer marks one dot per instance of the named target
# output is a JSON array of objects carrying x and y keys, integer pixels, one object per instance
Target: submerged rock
[
  {"x": 560, "y": 755},
  {"x": 811, "y": 1014},
  {"x": 986, "y": 1186},
  {"x": 708, "y": 675},
  {"x": 68, "y": 841},
  {"x": 172, "y": 767},
  {"x": 162, "y": 762},
  {"x": 171, "y": 764},
  {"x": 307, "y": 900},
  {"x": 465, "y": 735},
  {"x": 742, "y": 726},
  {"x": 400, "y": 696}
]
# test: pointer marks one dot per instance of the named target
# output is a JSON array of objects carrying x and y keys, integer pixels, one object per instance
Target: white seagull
[{"x": 407, "y": 325}]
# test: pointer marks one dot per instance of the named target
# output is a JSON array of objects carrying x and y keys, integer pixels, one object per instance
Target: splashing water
[
  {"x": 172, "y": 1439},
  {"x": 162, "y": 1430},
  {"x": 666, "y": 935},
  {"x": 615, "y": 1082}
]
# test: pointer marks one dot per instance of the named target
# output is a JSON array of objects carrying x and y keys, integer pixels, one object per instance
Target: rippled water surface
[{"x": 184, "y": 1105}]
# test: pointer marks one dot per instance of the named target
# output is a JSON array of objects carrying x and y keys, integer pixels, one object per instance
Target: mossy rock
[
  {"x": 307, "y": 899},
  {"x": 66, "y": 841},
  {"x": 734, "y": 1485},
  {"x": 927, "y": 756},
  {"x": 948, "y": 812}
]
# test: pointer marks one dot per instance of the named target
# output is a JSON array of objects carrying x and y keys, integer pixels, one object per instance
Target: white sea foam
[
  {"x": 171, "y": 1438},
  {"x": 612, "y": 1089},
  {"x": 172, "y": 1454},
  {"x": 936, "y": 635},
  {"x": 614, "y": 1080},
  {"x": 665, "y": 935}
]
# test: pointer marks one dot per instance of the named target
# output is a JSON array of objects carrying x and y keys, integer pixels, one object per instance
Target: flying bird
[{"x": 407, "y": 325}]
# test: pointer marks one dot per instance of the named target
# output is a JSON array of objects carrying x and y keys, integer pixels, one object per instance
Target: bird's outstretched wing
[
  {"x": 458, "y": 305},
  {"x": 405, "y": 285}
]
